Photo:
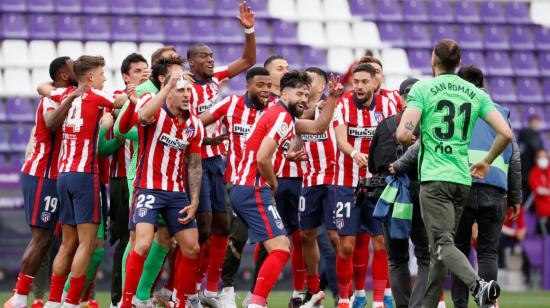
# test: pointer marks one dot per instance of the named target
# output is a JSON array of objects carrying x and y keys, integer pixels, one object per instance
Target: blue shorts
[
  {"x": 351, "y": 218},
  {"x": 317, "y": 207},
  {"x": 212, "y": 196},
  {"x": 149, "y": 203},
  {"x": 41, "y": 201},
  {"x": 287, "y": 199},
  {"x": 370, "y": 224},
  {"x": 79, "y": 196},
  {"x": 255, "y": 207}
]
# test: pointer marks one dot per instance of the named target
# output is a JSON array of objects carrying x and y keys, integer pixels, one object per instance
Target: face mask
[{"x": 542, "y": 163}]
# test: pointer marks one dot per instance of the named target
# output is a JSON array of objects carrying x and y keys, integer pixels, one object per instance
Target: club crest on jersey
[
  {"x": 339, "y": 222},
  {"x": 314, "y": 138},
  {"x": 361, "y": 132},
  {"x": 241, "y": 129},
  {"x": 189, "y": 132},
  {"x": 173, "y": 142},
  {"x": 379, "y": 116},
  {"x": 46, "y": 216},
  {"x": 142, "y": 212},
  {"x": 279, "y": 224}
]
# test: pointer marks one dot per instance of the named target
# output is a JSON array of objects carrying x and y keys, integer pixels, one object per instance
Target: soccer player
[
  {"x": 391, "y": 94},
  {"x": 237, "y": 115},
  {"x": 170, "y": 139},
  {"x": 256, "y": 182},
  {"x": 447, "y": 108},
  {"x": 78, "y": 169},
  {"x": 277, "y": 67},
  {"x": 212, "y": 213},
  {"x": 357, "y": 118},
  {"x": 316, "y": 203},
  {"x": 39, "y": 177}
]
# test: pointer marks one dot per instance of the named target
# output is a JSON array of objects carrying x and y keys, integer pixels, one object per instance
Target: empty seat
[
  {"x": 96, "y": 28},
  {"x": 314, "y": 57},
  {"x": 101, "y": 49},
  {"x": 202, "y": 28},
  {"x": 391, "y": 33},
  {"x": 41, "y": 27},
  {"x": 150, "y": 29},
  {"x": 515, "y": 117},
  {"x": 13, "y": 6},
  {"x": 176, "y": 30},
  {"x": 286, "y": 32},
  {"x": 469, "y": 36},
  {"x": 415, "y": 10},
  {"x": 522, "y": 37},
  {"x": 421, "y": 59},
  {"x": 440, "y": 11},
  {"x": 173, "y": 7},
  {"x": 95, "y": 6},
  {"x": 517, "y": 12},
  {"x": 3, "y": 112},
  {"x": 495, "y": 38},
  {"x": 305, "y": 28},
  {"x": 17, "y": 81},
  {"x": 21, "y": 108},
  {"x": 337, "y": 10},
  {"x": 544, "y": 63},
  {"x": 40, "y": 6},
  {"x": 149, "y": 7},
  {"x": 69, "y": 28},
  {"x": 530, "y": 89},
  {"x": 416, "y": 36},
  {"x": 492, "y": 12},
  {"x": 123, "y": 29},
  {"x": 525, "y": 64},
  {"x": 339, "y": 59},
  {"x": 395, "y": 61},
  {"x": 502, "y": 89},
  {"x": 41, "y": 53},
  {"x": 529, "y": 111},
  {"x": 15, "y": 53},
  {"x": 121, "y": 50},
  {"x": 226, "y": 8},
  {"x": 393, "y": 81},
  {"x": 19, "y": 137},
  {"x": 442, "y": 31},
  {"x": 260, "y": 8},
  {"x": 389, "y": 10},
  {"x": 285, "y": 9},
  {"x": 263, "y": 32},
  {"x": 72, "y": 49},
  {"x": 262, "y": 53},
  {"x": 2, "y": 91},
  {"x": 363, "y": 8},
  {"x": 5, "y": 137},
  {"x": 229, "y": 30},
  {"x": 14, "y": 26},
  {"x": 199, "y": 7},
  {"x": 236, "y": 83},
  {"x": 498, "y": 63},
  {"x": 474, "y": 57},
  {"x": 539, "y": 12},
  {"x": 467, "y": 11},
  {"x": 542, "y": 38},
  {"x": 147, "y": 49},
  {"x": 229, "y": 54},
  {"x": 292, "y": 55},
  {"x": 68, "y": 6},
  {"x": 339, "y": 34},
  {"x": 310, "y": 10},
  {"x": 122, "y": 6},
  {"x": 365, "y": 34},
  {"x": 546, "y": 89}
]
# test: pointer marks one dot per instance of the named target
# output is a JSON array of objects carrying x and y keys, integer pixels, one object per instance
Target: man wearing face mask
[
  {"x": 539, "y": 182},
  {"x": 237, "y": 113}
]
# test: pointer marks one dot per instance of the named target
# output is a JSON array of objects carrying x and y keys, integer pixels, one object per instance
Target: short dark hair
[
  {"x": 56, "y": 65},
  {"x": 294, "y": 79},
  {"x": 127, "y": 62},
  {"x": 84, "y": 64},
  {"x": 318, "y": 71},
  {"x": 158, "y": 53},
  {"x": 370, "y": 59},
  {"x": 365, "y": 68},
  {"x": 161, "y": 67},
  {"x": 256, "y": 71},
  {"x": 472, "y": 74},
  {"x": 447, "y": 55},
  {"x": 273, "y": 58},
  {"x": 193, "y": 50}
]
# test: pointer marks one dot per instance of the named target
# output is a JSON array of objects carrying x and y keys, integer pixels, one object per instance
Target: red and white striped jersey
[
  {"x": 237, "y": 115},
  {"x": 120, "y": 160},
  {"x": 81, "y": 130},
  {"x": 361, "y": 124},
  {"x": 162, "y": 147},
  {"x": 204, "y": 95},
  {"x": 394, "y": 96},
  {"x": 321, "y": 156},
  {"x": 45, "y": 154},
  {"x": 276, "y": 123}
]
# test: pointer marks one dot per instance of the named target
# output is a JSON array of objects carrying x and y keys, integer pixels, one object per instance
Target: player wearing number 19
[{"x": 447, "y": 108}]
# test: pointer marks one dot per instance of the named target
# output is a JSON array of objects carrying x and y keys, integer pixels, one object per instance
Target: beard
[
  {"x": 257, "y": 102},
  {"x": 296, "y": 111}
]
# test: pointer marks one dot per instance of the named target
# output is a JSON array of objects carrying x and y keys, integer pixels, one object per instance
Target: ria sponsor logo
[
  {"x": 443, "y": 149},
  {"x": 242, "y": 129},
  {"x": 173, "y": 142},
  {"x": 361, "y": 132},
  {"x": 314, "y": 138}
]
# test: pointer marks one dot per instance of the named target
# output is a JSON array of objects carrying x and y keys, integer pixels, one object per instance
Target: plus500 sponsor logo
[
  {"x": 173, "y": 142},
  {"x": 361, "y": 132}
]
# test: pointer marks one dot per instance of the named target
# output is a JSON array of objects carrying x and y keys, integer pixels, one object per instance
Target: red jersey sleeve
[
  {"x": 59, "y": 94},
  {"x": 103, "y": 99},
  {"x": 48, "y": 105},
  {"x": 221, "y": 73},
  {"x": 338, "y": 118},
  {"x": 196, "y": 142},
  {"x": 143, "y": 100},
  {"x": 220, "y": 109},
  {"x": 279, "y": 126}
]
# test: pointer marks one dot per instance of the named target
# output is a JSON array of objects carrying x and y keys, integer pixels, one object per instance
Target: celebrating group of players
[{"x": 167, "y": 145}]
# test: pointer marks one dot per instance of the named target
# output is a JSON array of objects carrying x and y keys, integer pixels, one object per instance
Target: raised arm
[
  {"x": 248, "y": 57},
  {"x": 265, "y": 167},
  {"x": 55, "y": 118},
  {"x": 146, "y": 114}
]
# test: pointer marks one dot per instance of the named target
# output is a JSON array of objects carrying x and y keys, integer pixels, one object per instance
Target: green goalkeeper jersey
[{"x": 450, "y": 107}]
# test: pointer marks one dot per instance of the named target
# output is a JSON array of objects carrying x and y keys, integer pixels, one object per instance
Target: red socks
[
  {"x": 56, "y": 288},
  {"x": 75, "y": 290},
  {"x": 23, "y": 285},
  {"x": 344, "y": 269},
  {"x": 256, "y": 252},
  {"x": 269, "y": 273},
  {"x": 379, "y": 275},
  {"x": 218, "y": 246},
  {"x": 134, "y": 269},
  {"x": 313, "y": 283},
  {"x": 298, "y": 266},
  {"x": 203, "y": 263},
  {"x": 169, "y": 285},
  {"x": 86, "y": 295},
  {"x": 185, "y": 284},
  {"x": 361, "y": 260}
]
